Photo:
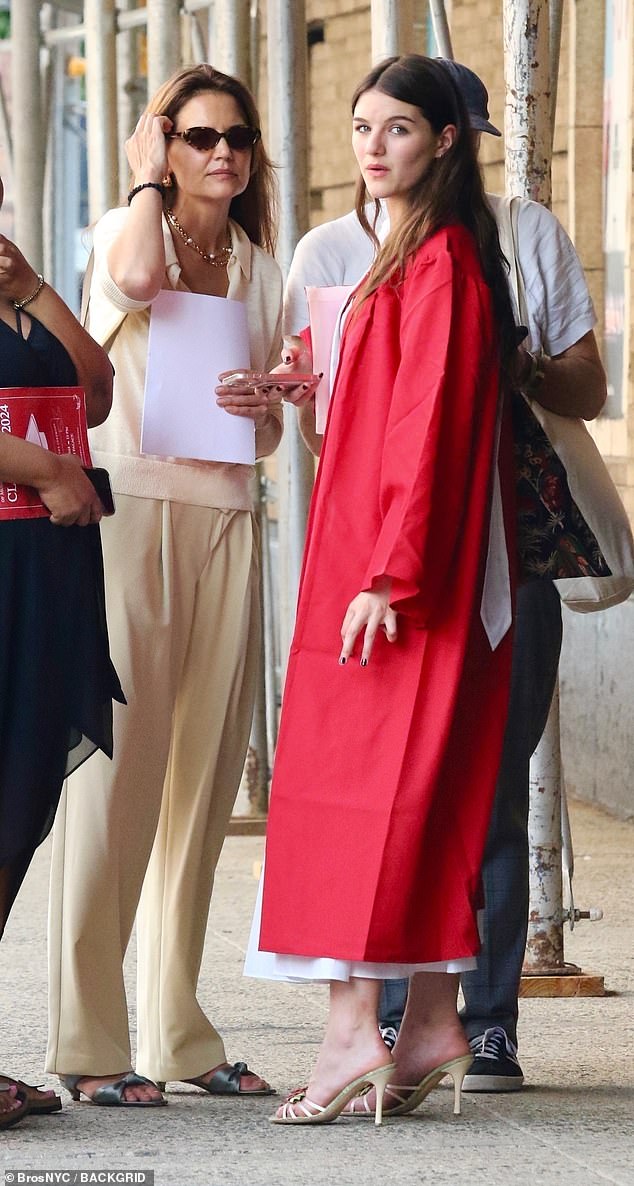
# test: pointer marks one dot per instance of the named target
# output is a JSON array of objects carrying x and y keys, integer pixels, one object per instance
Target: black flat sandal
[{"x": 225, "y": 1081}]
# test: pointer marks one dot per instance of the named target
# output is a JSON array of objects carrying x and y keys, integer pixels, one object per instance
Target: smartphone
[
  {"x": 264, "y": 379},
  {"x": 241, "y": 378},
  {"x": 293, "y": 379},
  {"x": 101, "y": 481}
]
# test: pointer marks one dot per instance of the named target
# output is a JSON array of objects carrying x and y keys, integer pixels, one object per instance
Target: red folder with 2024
[{"x": 53, "y": 417}]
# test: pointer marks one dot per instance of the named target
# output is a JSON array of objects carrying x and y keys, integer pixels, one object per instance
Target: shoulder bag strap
[
  {"x": 507, "y": 222},
  {"x": 85, "y": 291}
]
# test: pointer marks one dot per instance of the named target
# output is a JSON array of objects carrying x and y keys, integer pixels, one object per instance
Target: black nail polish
[
  {"x": 343, "y": 660},
  {"x": 364, "y": 663}
]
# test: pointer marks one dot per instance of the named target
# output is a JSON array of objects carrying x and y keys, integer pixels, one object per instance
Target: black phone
[{"x": 101, "y": 481}]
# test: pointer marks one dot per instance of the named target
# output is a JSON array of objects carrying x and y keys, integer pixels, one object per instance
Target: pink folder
[{"x": 324, "y": 308}]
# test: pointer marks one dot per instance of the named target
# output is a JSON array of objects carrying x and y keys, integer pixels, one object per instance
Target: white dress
[{"x": 269, "y": 965}]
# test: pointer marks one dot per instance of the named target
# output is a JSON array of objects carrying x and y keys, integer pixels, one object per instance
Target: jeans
[{"x": 490, "y": 992}]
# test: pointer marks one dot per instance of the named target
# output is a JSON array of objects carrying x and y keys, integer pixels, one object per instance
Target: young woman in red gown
[{"x": 389, "y": 745}]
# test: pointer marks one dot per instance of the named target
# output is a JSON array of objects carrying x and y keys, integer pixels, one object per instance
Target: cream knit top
[{"x": 121, "y": 326}]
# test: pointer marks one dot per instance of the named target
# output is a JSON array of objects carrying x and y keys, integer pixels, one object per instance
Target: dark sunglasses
[{"x": 239, "y": 137}]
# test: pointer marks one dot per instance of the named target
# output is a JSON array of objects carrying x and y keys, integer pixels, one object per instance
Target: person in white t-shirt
[{"x": 563, "y": 371}]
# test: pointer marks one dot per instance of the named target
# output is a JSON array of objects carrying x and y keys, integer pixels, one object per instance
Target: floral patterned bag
[
  {"x": 554, "y": 540},
  {"x": 572, "y": 525}
]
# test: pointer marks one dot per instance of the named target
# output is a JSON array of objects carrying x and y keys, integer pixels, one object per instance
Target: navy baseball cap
[{"x": 475, "y": 95}]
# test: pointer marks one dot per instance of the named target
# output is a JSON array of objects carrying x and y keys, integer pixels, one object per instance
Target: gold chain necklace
[{"x": 218, "y": 259}]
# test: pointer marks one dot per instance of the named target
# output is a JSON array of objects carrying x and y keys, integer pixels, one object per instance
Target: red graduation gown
[{"x": 384, "y": 776}]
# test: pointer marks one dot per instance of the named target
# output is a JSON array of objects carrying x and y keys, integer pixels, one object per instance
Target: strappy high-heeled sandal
[
  {"x": 299, "y": 1109},
  {"x": 415, "y": 1094},
  {"x": 111, "y": 1095}
]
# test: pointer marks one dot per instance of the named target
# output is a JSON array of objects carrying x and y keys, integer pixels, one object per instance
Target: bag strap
[
  {"x": 507, "y": 218},
  {"x": 85, "y": 290}
]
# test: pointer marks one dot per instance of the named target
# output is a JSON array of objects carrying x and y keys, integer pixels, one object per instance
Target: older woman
[
  {"x": 142, "y": 837},
  {"x": 56, "y": 679}
]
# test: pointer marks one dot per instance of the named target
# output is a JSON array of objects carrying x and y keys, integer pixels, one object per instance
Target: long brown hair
[
  {"x": 255, "y": 208},
  {"x": 450, "y": 190}
]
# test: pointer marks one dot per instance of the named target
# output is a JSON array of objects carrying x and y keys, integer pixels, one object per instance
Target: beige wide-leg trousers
[{"x": 140, "y": 836}]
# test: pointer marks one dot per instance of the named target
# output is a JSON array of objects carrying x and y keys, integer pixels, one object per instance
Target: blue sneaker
[{"x": 495, "y": 1066}]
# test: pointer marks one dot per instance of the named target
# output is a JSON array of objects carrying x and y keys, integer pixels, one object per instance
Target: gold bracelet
[{"x": 27, "y": 300}]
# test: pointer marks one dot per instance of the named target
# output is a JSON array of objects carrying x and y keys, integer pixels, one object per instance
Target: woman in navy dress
[{"x": 56, "y": 679}]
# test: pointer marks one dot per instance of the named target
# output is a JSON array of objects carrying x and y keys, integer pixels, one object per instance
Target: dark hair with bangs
[
  {"x": 255, "y": 210},
  {"x": 450, "y": 190}
]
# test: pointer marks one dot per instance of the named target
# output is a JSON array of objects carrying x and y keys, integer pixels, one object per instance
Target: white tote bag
[{"x": 588, "y": 478}]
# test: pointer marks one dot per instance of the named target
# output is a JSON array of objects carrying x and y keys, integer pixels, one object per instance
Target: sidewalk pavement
[{"x": 574, "y": 1123}]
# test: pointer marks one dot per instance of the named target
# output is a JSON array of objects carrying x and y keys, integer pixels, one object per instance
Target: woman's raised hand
[
  {"x": 146, "y": 148},
  {"x": 69, "y": 495},
  {"x": 370, "y": 609}
]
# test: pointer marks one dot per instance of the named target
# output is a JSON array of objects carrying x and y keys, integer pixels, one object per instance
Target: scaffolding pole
[
  {"x": 288, "y": 122},
  {"x": 545, "y": 939},
  {"x": 392, "y": 28},
  {"x": 258, "y": 762},
  {"x": 198, "y": 47},
  {"x": 163, "y": 41},
  {"x": 527, "y": 128},
  {"x": 52, "y": 76},
  {"x": 28, "y": 131},
  {"x": 440, "y": 25},
  {"x": 554, "y": 37},
  {"x": 232, "y": 38},
  {"x": 130, "y": 94},
  {"x": 527, "y": 107},
  {"x": 529, "y": 36},
  {"x": 101, "y": 105},
  {"x": 5, "y": 127}
]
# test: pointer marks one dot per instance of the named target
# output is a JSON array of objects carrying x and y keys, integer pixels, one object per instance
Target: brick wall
[{"x": 343, "y": 57}]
